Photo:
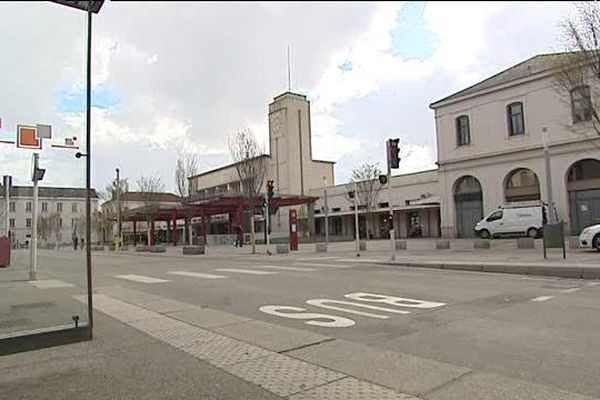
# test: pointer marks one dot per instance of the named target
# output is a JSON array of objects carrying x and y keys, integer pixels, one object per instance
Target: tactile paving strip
[
  {"x": 277, "y": 373},
  {"x": 222, "y": 351},
  {"x": 282, "y": 375},
  {"x": 351, "y": 389}
]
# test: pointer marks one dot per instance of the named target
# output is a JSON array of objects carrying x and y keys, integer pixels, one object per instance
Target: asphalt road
[{"x": 542, "y": 330}]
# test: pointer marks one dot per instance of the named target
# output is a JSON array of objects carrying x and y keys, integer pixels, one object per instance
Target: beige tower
[{"x": 291, "y": 166}]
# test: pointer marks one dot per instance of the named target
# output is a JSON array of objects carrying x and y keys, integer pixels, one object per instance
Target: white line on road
[
  {"x": 50, "y": 284},
  {"x": 197, "y": 275},
  {"x": 593, "y": 284},
  {"x": 316, "y": 258},
  {"x": 141, "y": 278},
  {"x": 246, "y": 271},
  {"x": 542, "y": 298},
  {"x": 323, "y": 265},
  {"x": 357, "y": 260},
  {"x": 575, "y": 289},
  {"x": 287, "y": 268}
]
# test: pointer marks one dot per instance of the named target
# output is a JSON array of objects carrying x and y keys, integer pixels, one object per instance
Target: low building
[{"x": 61, "y": 214}]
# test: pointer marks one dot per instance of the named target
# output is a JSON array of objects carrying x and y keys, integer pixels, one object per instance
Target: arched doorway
[
  {"x": 583, "y": 188},
  {"x": 468, "y": 200},
  {"x": 521, "y": 184}
]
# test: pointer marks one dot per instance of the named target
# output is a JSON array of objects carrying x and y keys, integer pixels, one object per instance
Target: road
[{"x": 539, "y": 330}]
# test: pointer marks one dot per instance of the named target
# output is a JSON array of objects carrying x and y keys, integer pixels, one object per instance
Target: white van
[{"x": 513, "y": 220}]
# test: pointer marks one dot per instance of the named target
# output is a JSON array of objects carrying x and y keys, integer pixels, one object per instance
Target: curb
[{"x": 558, "y": 271}]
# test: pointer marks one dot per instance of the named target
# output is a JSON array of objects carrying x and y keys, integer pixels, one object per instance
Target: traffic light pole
[
  {"x": 356, "y": 230},
  {"x": 391, "y": 216},
  {"x": 34, "y": 217},
  {"x": 267, "y": 225}
]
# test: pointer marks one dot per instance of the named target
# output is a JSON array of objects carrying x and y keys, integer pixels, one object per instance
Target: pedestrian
[
  {"x": 240, "y": 236},
  {"x": 75, "y": 242},
  {"x": 82, "y": 243}
]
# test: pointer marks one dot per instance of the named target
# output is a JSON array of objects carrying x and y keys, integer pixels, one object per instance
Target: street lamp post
[
  {"x": 119, "y": 233},
  {"x": 326, "y": 211},
  {"x": 551, "y": 216}
]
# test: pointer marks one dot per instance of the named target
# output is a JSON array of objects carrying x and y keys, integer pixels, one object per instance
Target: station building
[{"x": 490, "y": 150}]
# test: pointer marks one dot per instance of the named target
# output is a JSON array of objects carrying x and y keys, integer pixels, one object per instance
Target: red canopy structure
[{"x": 233, "y": 205}]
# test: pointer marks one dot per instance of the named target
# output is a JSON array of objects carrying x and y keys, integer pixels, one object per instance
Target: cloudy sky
[{"x": 172, "y": 77}]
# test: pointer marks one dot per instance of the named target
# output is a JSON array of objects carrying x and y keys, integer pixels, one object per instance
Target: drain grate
[
  {"x": 31, "y": 306},
  {"x": 13, "y": 323}
]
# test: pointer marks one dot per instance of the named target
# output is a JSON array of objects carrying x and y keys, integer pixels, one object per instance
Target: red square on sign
[{"x": 27, "y": 137}]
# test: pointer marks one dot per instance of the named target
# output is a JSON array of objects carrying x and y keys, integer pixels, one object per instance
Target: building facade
[
  {"x": 61, "y": 214},
  {"x": 490, "y": 140},
  {"x": 490, "y": 145}
]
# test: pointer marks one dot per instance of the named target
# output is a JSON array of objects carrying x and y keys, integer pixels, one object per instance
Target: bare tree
[
  {"x": 251, "y": 167},
  {"x": 577, "y": 71},
  {"x": 150, "y": 187},
  {"x": 43, "y": 228},
  {"x": 187, "y": 166},
  {"x": 55, "y": 227},
  {"x": 366, "y": 179}
]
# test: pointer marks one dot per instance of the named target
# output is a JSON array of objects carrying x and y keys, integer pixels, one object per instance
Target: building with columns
[{"x": 490, "y": 153}]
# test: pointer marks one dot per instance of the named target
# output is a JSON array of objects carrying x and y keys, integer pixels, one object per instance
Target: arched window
[
  {"x": 516, "y": 121},
  {"x": 581, "y": 104},
  {"x": 463, "y": 131},
  {"x": 522, "y": 185}
]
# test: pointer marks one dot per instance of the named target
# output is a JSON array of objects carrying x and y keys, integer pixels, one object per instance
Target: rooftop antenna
[{"x": 289, "y": 70}]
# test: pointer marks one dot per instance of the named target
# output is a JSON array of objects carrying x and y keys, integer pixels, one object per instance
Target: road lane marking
[
  {"x": 571, "y": 290},
  {"x": 593, "y": 284},
  {"x": 542, "y": 298},
  {"x": 197, "y": 275},
  {"x": 50, "y": 284},
  {"x": 325, "y": 303},
  {"x": 287, "y": 268},
  {"x": 358, "y": 260},
  {"x": 246, "y": 271},
  {"x": 323, "y": 265},
  {"x": 316, "y": 258},
  {"x": 141, "y": 278}
]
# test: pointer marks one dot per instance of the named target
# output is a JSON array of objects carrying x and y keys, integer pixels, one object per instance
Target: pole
[
  {"x": 119, "y": 231},
  {"x": 326, "y": 217},
  {"x": 253, "y": 234},
  {"x": 391, "y": 206},
  {"x": 267, "y": 224},
  {"x": 552, "y": 215},
  {"x": 88, "y": 158},
  {"x": 7, "y": 205},
  {"x": 356, "y": 231},
  {"x": 33, "y": 260}
]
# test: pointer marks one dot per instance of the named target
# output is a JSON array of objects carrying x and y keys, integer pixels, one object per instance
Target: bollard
[
  {"x": 442, "y": 244},
  {"x": 525, "y": 243},
  {"x": 481, "y": 244},
  {"x": 574, "y": 242},
  {"x": 193, "y": 249},
  {"x": 321, "y": 247},
  {"x": 400, "y": 244}
]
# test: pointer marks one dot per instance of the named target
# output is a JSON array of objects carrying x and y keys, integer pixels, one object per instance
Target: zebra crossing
[{"x": 300, "y": 265}]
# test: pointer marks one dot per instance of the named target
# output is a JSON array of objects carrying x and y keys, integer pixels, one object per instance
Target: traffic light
[
  {"x": 351, "y": 194},
  {"x": 383, "y": 179},
  {"x": 270, "y": 191},
  {"x": 393, "y": 153}
]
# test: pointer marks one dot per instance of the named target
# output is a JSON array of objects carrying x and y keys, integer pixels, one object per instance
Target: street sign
[{"x": 93, "y": 6}]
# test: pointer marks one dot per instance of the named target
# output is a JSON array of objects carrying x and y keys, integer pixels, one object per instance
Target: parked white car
[
  {"x": 590, "y": 237},
  {"x": 513, "y": 220}
]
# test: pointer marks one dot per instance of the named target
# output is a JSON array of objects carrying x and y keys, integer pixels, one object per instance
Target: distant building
[
  {"x": 490, "y": 152},
  {"x": 65, "y": 205}
]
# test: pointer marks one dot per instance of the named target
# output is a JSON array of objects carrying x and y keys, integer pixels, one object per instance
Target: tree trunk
[{"x": 252, "y": 234}]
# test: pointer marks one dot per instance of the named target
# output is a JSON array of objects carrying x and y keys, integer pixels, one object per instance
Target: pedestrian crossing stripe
[{"x": 141, "y": 278}]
